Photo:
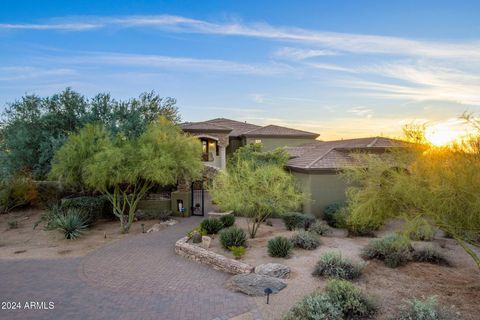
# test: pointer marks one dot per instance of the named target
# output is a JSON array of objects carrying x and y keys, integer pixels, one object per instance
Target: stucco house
[
  {"x": 315, "y": 164},
  {"x": 221, "y": 137}
]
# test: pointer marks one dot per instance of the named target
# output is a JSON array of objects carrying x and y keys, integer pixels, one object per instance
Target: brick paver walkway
[{"x": 140, "y": 277}]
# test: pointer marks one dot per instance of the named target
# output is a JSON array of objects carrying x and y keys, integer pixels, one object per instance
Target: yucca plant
[{"x": 72, "y": 224}]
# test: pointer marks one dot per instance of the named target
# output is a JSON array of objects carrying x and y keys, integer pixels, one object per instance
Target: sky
[{"x": 342, "y": 69}]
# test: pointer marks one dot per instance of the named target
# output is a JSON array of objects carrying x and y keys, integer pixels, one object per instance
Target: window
[{"x": 258, "y": 141}]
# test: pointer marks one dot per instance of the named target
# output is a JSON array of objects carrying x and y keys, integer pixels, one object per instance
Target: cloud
[
  {"x": 168, "y": 62},
  {"x": 346, "y": 42},
  {"x": 301, "y": 54},
  {"x": 27, "y": 72},
  {"x": 361, "y": 112}
]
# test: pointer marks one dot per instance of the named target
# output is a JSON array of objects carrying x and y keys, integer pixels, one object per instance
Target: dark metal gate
[{"x": 198, "y": 198}]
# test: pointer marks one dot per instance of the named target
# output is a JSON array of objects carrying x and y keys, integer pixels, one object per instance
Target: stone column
[{"x": 223, "y": 158}]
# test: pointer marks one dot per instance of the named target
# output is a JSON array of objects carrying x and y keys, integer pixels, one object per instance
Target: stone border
[{"x": 215, "y": 260}]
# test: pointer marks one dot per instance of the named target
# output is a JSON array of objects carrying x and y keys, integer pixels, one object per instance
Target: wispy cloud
[
  {"x": 301, "y": 54},
  {"x": 346, "y": 42},
  {"x": 26, "y": 72},
  {"x": 361, "y": 112},
  {"x": 169, "y": 62}
]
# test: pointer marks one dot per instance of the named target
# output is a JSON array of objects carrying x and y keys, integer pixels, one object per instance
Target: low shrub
[
  {"x": 395, "y": 250},
  {"x": 211, "y": 225},
  {"x": 91, "y": 207},
  {"x": 352, "y": 302},
  {"x": 237, "y": 251},
  {"x": 232, "y": 237},
  {"x": 341, "y": 300},
  {"x": 308, "y": 221},
  {"x": 422, "y": 309},
  {"x": 305, "y": 240},
  {"x": 227, "y": 220},
  {"x": 332, "y": 264},
  {"x": 49, "y": 193},
  {"x": 293, "y": 220},
  {"x": 418, "y": 229},
  {"x": 320, "y": 228},
  {"x": 72, "y": 224},
  {"x": 199, "y": 230},
  {"x": 316, "y": 306},
  {"x": 16, "y": 192},
  {"x": 335, "y": 215},
  {"x": 279, "y": 247},
  {"x": 362, "y": 226},
  {"x": 430, "y": 255}
]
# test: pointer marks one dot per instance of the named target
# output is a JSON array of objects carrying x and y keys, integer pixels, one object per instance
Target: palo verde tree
[
  {"x": 125, "y": 169},
  {"x": 437, "y": 184},
  {"x": 256, "y": 189}
]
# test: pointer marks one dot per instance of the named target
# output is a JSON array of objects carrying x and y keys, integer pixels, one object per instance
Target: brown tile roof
[
  {"x": 334, "y": 155},
  {"x": 203, "y": 126},
  {"x": 278, "y": 131},
  {"x": 238, "y": 127}
]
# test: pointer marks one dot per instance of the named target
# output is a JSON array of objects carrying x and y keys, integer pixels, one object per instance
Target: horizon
[{"x": 343, "y": 70}]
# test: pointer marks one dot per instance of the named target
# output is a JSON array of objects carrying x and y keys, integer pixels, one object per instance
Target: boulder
[
  {"x": 169, "y": 222},
  {"x": 254, "y": 284},
  {"x": 206, "y": 241},
  {"x": 275, "y": 270},
  {"x": 156, "y": 227},
  {"x": 196, "y": 237}
]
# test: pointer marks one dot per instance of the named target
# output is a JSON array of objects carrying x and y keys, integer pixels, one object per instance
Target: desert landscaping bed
[
  {"x": 26, "y": 242},
  {"x": 456, "y": 287}
]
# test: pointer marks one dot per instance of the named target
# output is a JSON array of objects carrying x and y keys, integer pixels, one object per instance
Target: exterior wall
[
  {"x": 234, "y": 144},
  {"x": 323, "y": 189},
  {"x": 273, "y": 143}
]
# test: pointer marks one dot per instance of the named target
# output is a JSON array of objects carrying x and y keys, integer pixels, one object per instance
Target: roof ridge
[
  {"x": 320, "y": 158},
  {"x": 371, "y": 144}
]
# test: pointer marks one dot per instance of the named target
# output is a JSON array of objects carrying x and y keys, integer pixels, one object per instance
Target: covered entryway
[{"x": 198, "y": 198}]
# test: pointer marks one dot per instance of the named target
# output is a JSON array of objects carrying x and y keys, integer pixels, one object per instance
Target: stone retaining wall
[{"x": 215, "y": 260}]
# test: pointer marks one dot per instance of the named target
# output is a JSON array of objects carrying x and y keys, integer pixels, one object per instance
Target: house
[
  {"x": 316, "y": 165},
  {"x": 221, "y": 137}
]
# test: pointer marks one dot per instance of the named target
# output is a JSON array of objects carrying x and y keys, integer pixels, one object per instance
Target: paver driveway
[{"x": 140, "y": 277}]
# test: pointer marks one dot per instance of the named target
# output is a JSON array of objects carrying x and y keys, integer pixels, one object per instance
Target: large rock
[
  {"x": 255, "y": 284},
  {"x": 275, "y": 270}
]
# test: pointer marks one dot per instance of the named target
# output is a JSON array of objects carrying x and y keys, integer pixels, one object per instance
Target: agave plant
[{"x": 72, "y": 224}]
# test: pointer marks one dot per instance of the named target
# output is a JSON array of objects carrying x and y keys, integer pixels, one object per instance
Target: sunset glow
[{"x": 443, "y": 134}]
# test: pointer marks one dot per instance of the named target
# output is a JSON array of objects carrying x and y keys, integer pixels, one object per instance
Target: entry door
[{"x": 198, "y": 198}]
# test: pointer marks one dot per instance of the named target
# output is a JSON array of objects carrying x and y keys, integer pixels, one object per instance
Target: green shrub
[
  {"x": 16, "y": 192},
  {"x": 308, "y": 221},
  {"x": 305, "y": 240},
  {"x": 227, "y": 220},
  {"x": 352, "y": 302},
  {"x": 232, "y": 236},
  {"x": 332, "y": 264},
  {"x": 422, "y": 309},
  {"x": 336, "y": 215},
  {"x": 430, "y": 255},
  {"x": 49, "y": 193},
  {"x": 72, "y": 224},
  {"x": 279, "y": 247},
  {"x": 419, "y": 229},
  {"x": 320, "y": 228},
  {"x": 395, "y": 250},
  {"x": 91, "y": 207},
  {"x": 293, "y": 220},
  {"x": 198, "y": 229},
  {"x": 316, "y": 306},
  {"x": 237, "y": 251},
  {"x": 211, "y": 225}
]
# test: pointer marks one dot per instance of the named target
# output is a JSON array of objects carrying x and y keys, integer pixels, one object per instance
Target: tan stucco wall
[
  {"x": 273, "y": 143},
  {"x": 323, "y": 190}
]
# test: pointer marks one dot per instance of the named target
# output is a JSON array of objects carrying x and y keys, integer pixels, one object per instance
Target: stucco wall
[
  {"x": 323, "y": 190},
  {"x": 234, "y": 144},
  {"x": 273, "y": 143}
]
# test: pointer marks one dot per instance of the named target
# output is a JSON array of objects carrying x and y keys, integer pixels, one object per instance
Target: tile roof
[
  {"x": 334, "y": 155},
  {"x": 203, "y": 126},
  {"x": 278, "y": 131},
  {"x": 238, "y": 127}
]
